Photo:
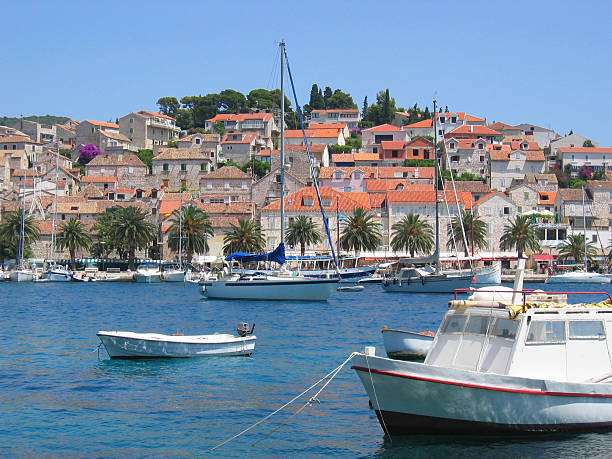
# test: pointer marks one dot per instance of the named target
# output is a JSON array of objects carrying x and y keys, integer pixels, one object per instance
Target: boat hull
[
  {"x": 147, "y": 278},
  {"x": 580, "y": 278},
  {"x": 174, "y": 276},
  {"x": 414, "y": 398},
  {"x": 56, "y": 276},
  {"x": 489, "y": 275},
  {"x": 21, "y": 276},
  {"x": 290, "y": 289},
  {"x": 428, "y": 284},
  {"x": 406, "y": 345},
  {"x": 164, "y": 346}
]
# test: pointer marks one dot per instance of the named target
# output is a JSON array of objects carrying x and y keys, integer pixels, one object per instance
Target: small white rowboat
[
  {"x": 129, "y": 345},
  {"x": 407, "y": 345}
]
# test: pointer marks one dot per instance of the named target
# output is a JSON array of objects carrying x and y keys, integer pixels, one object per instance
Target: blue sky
[{"x": 547, "y": 63}]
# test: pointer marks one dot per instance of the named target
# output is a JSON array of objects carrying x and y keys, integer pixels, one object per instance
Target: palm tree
[
  {"x": 244, "y": 237},
  {"x": 74, "y": 236},
  {"x": 475, "y": 232},
  {"x": 573, "y": 247},
  {"x": 10, "y": 229},
  {"x": 196, "y": 229},
  {"x": 302, "y": 231},
  {"x": 360, "y": 232},
  {"x": 520, "y": 234},
  {"x": 130, "y": 227},
  {"x": 412, "y": 234}
]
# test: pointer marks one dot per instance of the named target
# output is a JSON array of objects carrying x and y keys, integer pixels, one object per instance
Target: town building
[
  {"x": 267, "y": 189},
  {"x": 351, "y": 117},
  {"x": 466, "y": 156},
  {"x": 42, "y": 133},
  {"x": 239, "y": 147},
  {"x": 129, "y": 170},
  {"x": 180, "y": 168},
  {"x": 507, "y": 166},
  {"x": 476, "y": 188},
  {"x": 373, "y": 137},
  {"x": 227, "y": 181},
  {"x": 595, "y": 158},
  {"x": 263, "y": 125},
  {"x": 445, "y": 122},
  {"x": 496, "y": 210},
  {"x": 146, "y": 129},
  {"x": 474, "y": 132},
  {"x": 538, "y": 134},
  {"x": 332, "y": 136}
]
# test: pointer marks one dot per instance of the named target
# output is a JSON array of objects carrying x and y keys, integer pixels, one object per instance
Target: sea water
[{"x": 61, "y": 396}]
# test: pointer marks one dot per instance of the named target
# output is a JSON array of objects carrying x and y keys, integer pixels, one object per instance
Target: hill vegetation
[{"x": 43, "y": 119}]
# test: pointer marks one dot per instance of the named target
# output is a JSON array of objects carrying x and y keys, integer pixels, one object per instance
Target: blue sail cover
[{"x": 277, "y": 255}]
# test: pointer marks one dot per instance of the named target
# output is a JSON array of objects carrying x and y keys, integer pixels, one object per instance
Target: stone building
[
  {"x": 146, "y": 129},
  {"x": 227, "y": 180},
  {"x": 267, "y": 189},
  {"x": 179, "y": 168},
  {"x": 496, "y": 210},
  {"x": 129, "y": 170},
  {"x": 466, "y": 155}
]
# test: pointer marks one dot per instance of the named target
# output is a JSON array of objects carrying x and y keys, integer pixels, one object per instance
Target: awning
[
  {"x": 543, "y": 257},
  {"x": 278, "y": 255}
]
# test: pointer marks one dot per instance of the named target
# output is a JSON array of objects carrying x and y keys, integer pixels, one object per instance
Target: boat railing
[{"x": 526, "y": 292}]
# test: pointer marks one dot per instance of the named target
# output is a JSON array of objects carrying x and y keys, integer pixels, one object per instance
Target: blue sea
[{"x": 58, "y": 397}]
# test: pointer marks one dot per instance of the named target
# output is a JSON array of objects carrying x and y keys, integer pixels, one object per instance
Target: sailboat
[
  {"x": 283, "y": 284},
  {"x": 581, "y": 277},
  {"x": 21, "y": 273},
  {"x": 177, "y": 272},
  {"x": 429, "y": 279},
  {"x": 55, "y": 272}
]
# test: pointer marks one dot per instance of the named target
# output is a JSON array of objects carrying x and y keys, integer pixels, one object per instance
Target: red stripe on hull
[{"x": 479, "y": 386}]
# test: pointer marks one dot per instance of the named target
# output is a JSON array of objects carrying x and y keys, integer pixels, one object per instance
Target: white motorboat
[
  {"x": 175, "y": 273},
  {"x": 130, "y": 345},
  {"x": 489, "y": 274},
  {"x": 148, "y": 273},
  {"x": 56, "y": 273},
  {"x": 495, "y": 370},
  {"x": 267, "y": 287},
  {"x": 579, "y": 277},
  {"x": 22, "y": 275},
  {"x": 407, "y": 345},
  {"x": 417, "y": 280}
]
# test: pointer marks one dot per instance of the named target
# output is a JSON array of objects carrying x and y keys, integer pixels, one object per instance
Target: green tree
[
  {"x": 387, "y": 109},
  {"x": 9, "y": 233},
  {"x": 259, "y": 168},
  {"x": 146, "y": 156},
  {"x": 327, "y": 95},
  {"x": 130, "y": 226},
  {"x": 340, "y": 101},
  {"x": 361, "y": 232},
  {"x": 232, "y": 101},
  {"x": 73, "y": 236},
  {"x": 184, "y": 119},
  {"x": 316, "y": 98},
  {"x": 302, "y": 231},
  {"x": 196, "y": 229},
  {"x": 364, "y": 109},
  {"x": 573, "y": 247},
  {"x": 247, "y": 236},
  {"x": 168, "y": 106},
  {"x": 588, "y": 143},
  {"x": 219, "y": 128},
  {"x": 520, "y": 234},
  {"x": 413, "y": 235},
  {"x": 475, "y": 232}
]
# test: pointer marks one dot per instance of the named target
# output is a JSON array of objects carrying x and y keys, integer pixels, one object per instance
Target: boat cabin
[
  {"x": 564, "y": 344},
  {"x": 415, "y": 273}
]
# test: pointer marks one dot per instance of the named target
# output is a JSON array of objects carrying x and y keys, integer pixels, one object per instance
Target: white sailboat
[
  {"x": 281, "y": 285},
  {"x": 55, "y": 272},
  {"x": 428, "y": 279},
  {"x": 21, "y": 273},
  {"x": 177, "y": 272},
  {"x": 581, "y": 277}
]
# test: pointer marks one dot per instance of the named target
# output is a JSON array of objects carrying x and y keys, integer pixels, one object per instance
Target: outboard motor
[{"x": 243, "y": 329}]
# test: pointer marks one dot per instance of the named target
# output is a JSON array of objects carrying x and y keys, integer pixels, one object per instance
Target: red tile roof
[
  {"x": 343, "y": 201},
  {"x": 499, "y": 126},
  {"x": 341, "y": 110},
  {"x": 518, "y": 145},
  {"x": 342, "y": 158},
  {"x": 383, "y": 127},
  {"x": 373, "y": 185},
  {"x": 504, "y": 155},
  {"x": 99, "y": 179},
  {"x": 392, "y": 145},
  {"x": 366, "y": 156},
  {"x": 476, "y": 130},
  {"x": 327, "y": 126},
  {"x": 16, "y": 139},
  {"x": 102, "y": 124},
  {"x": 429, "y": 197},
  {"x": 572, "y": 194},
  {"x": 312, "y": 133},
  {"x": 420, "y": 124},
  {"x": 244, "y": 138},
  {"x": 547, "y": 197},
  {"x": 585, "y": 150},
  {"x": 158, "y": 115}
]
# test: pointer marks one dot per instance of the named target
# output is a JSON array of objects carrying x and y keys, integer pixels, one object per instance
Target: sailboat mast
[
  {"x": 437, "y": 252},
  {"x": 586, "y": 261},
  {"x": 282, "y": 140},
  {"x": 180, "y": 254},
  {"x": 53, "y": 241}
]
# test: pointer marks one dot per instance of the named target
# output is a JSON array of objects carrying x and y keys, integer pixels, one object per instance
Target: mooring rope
[
  {"x": 382, "y": 418},
  {"x": 331, "y": 375}
]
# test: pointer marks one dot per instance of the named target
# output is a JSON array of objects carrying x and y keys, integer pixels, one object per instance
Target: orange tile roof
[
  {"x": 342, "y": 158},
  {"x": 343, "y": 201},
  {"x": 392, "y": 144},
  {"x": 16, "y": 139},
  {"x": 499, "y": 126},
  {"x": 312, "y": 133},
  {"x": 244, "y": 138},
  {"x": 227, "y": 172},
  {"x": 377, "y": 200},
  {"x": 486, "y": 197},
  {"x": 572, "y": 194},
  {"x": 429, "y": 197},
  {"x": 159, "y": 115},
  {"x": 102, "y": 124},
  {"x": 314, "y": 148},
  {"x": 504, "y": 155},
  {"x": 585, "y": 149},
  {"x": 383, "y": 127},
  {"x": 420, "y": 142},
  {"x": 547, "y": 197},
  {"x": 366, "y": 156},
  {"x": 471, "y": 129},
  {"x": 327, "y": 126},
  {"x": 419, "y": 124},
  {"x": 518, "y": 145},
  {"x": 473, "y": 118},
  {"x": 99, "y": 179}
]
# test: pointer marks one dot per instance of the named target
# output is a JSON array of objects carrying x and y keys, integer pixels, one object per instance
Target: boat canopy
[{"x": 277, "y": 255}]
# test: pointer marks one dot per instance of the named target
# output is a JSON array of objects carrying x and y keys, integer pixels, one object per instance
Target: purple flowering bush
[
  {"x": 88, "y": 152},
  {"x": 585, "y": 173}
]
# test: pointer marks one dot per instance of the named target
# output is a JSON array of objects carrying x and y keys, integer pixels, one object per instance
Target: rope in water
[{"x": 331, "y": 375}]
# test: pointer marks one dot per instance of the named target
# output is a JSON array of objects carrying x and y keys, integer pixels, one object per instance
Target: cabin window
[
  {"x": 477, "y": 325},
  {"x": 505, "y": 328},
  {"x": 454, "y": 324},
  {"x": 586, "y": 329},
  {"x": 546, "y": 332}
]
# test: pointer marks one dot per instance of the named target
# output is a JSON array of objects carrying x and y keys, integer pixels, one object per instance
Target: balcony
[
  {"x": 252, "y": 125},
  {"x": 162, "y": 124}
]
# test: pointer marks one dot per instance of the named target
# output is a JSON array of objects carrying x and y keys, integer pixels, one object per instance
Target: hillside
[{"x": 43, "y": 119}]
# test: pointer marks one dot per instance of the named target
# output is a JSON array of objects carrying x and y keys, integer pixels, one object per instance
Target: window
[
  {"x": 375, "y": 150},
  {"x": 338, "y": 175},
  {"x": 327, "y": 202},
  {"x": 426, "y": 154},
  {"x": 477, "y": 325},
  {"x": 586, "y": 329},
  {"x": 131, "y": 120},
  {"x": 347, "y": 189},
  {"x": 442, "y": 119},
  {"x": 131, "y": 130},
  {"x": 546, "y": 332},
  {"x": 415, "y": 152},
  {"x": 209, "y": 185},
  {"x": 505, "y": 328},
  {"x": 244, "y": 185},
  {"x": 197, "y": 141},
  {"x": 357, "y": 175},
  {"x": 165, "y": 167},
  {"x": 226, "y": 185},
  {"x": 308, "y": 202},
  {"x": 130, "y": 170},
  {"x": 454, "y": 324},
  {"x": 111, "y": 196},
  {"x": 183, "y": 167},
  {"x": 454, "y": 159},
  {"x": 594, "y": 238},
  {"x": 480, "y": 146},
  {"x": 203, "y": 166},
  {"x": 440, "y": 132},
  {"x": 183, "y": 183},
  {"x": 394, "y": 154},
  {"x": 526, "y": 196},
  {"x": 482, "y": 159},
  {"x": 121, "y": 197},
  {"x": 453, "y": 119},
  {"x": 506, "y": 210},
  {"x": 451, "y": 145}
]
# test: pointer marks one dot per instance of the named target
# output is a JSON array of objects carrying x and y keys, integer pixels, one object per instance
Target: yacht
[
  {"x": 535, "y": 367},
  {"x": 148, "y": 273},
  {"x": 57, "y": 273}
]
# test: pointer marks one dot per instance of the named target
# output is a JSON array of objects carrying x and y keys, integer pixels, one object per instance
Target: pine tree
[
  {"x": 426, "y": 114},
  {"x": 314, "y": 92},
  {"x": 365, "y": 107},
  {"x": 327, "y": 94},
  {"x": 446, "y": 109},
  {"x": 387, "y": 115}
]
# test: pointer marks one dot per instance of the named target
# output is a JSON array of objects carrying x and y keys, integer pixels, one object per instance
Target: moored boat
[
  {"x": 415, "y": 280},
  {"x": 407, "y": 345},
  {"x": 21, "y": 275},
  {"x": 579, "y": 277},
  {"x": 56, "y": 274},
  {"x": 534, "y": 368},
  {"x": 130, "y": 345},
  {"x": 148, "y": 273}
]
